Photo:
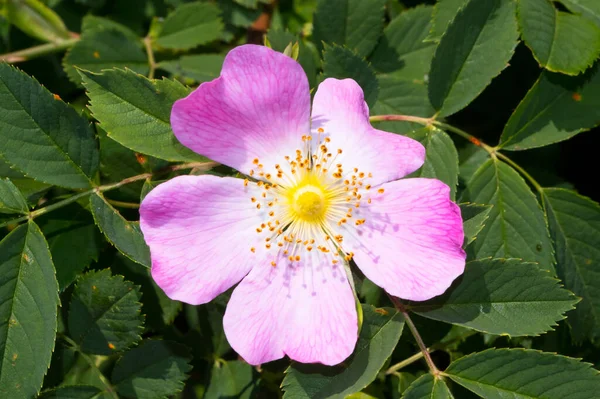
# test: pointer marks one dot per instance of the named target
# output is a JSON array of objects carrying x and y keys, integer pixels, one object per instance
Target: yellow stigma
[{"x": 308, "y": 202}]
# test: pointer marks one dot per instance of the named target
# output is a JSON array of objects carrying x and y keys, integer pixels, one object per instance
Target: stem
[
  {"x": 122, "y": 204},
  {"x": 465, "y": 135},
  {"x": 522, "y": 171},
  {"x": 404, "y": 118},
  {"x": 404, "y": 363},
  {"x": 150, "y": 53},
  {"x": 37, "y": 51},
  {"x": 413, "y": 329}
]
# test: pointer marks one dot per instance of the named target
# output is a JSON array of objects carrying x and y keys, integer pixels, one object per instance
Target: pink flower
[{"x": 322, "y": 189}]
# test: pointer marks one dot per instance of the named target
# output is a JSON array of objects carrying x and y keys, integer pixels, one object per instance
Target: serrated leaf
[
  {"x": 556, "y": 108},
  {"x": 135, "y": 112},
  {"x": 402, "y": 51},
  {"x": 104, "y": 314},
  {"x": 71, "y": 392},
  {"x": 378, "y": 337},
  {"x": 41, "y": 135},
  {"x": 524, "y": 374},
  {"x": 94, "y": 23},
  {"x": 560, "y": 41},
  {"x": 124, "y": 235},
  {"x": 28, "y": 310},
  {"x": 574, "y": 223},
  {"x": 341, "y": 63},
  {"x": 441, "y": 159},
  {"x": 474, "y": 218},
  {"x": 198, "y": 67},
  {"x": 501, "y": 296},
  {"x": 11, "y": 199},
  {"x": 428, "y": 387},
  {"x": 443, "y": 13},
  {"x": 230, "y": 380},
  {"x": 356, "y": 24},
  {"x": 516, "y": 227},
  {"x": 191, "y": 25},
  {"x": 476, "y": 47},
  {"x": 153, "y": 370}
]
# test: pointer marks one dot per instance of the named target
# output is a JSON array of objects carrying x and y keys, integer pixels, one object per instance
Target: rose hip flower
[{"x": 322, "y": 188}]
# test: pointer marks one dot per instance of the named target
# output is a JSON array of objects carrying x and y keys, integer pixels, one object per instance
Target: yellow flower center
[{"x": 309, "y": 203}]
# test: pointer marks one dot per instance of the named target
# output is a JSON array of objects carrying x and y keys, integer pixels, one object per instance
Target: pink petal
[
  {"x": 200, "y": 230},
  {"x": 411, "y": 241},
  {"x": 306, "y": 311},
  {"x": 258, "y": 108},
  {"x": 340, "y": 111}
]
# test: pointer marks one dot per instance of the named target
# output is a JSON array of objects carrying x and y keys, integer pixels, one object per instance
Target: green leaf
[
  {"x": 556, "y": 108},
  {"x": 575, "y": 229},
  {"x": 230, "y": 380},
  {"x": 135, "y": 112},
  {"x": 71, "y": 392},
  {"x": 501, "y": 296},
  {"x": 588, "y": 8},
  {"x": 307, "y": 52},
  {"x": 104, "y": 314},
  {"x": 443, "y": 13},
  {"x": 11, "y": 199},
  {"x": 560, "y": 41},
  {"x": 441, "y": 160},
  {"x": 94, "y": 23},
  {"x": 428, "y": 387},
  {"x": 124, "y": 235},
  {"x": 378, "y": 337},
  {"x": 516, "y": 227},
  {"x": 476, "y": 47},
  {"x": 36, "y": 19},
  {"x": 198, "y": 67},
  {"x": 402, "y": 51},
  {"x": 474, "y": 218},
  {"x": 65, "y": 229},
  {"x": 153, "y": 370},
  {"x": 41, "y": 135},
  {"x": 356, "y": 24},
  {"x": 191, "y": 25},
  {"x": 341, "y": 63},
  {"x": 524, "y": 374},
  {"x": 28, "y": 310}
]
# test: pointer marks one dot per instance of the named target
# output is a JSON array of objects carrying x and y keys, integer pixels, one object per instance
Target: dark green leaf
[
  {"x": 341, "y": 63},
  {"x": 575, "y": 229},
  {"x": 71, "y": 392},
  {"x": 41, "y": 135},
  {"x": 135, "y": 112},
  {"x": 191, "y": 25},
  {"x": 443, "y": 13},
  {"x": 501, "y": 296},
  {"x": 476, "y": 47},
  {"x": 428, "y": 387},
  {"x": 153, "y": 370},
  {"x": 474, "y": 218},
  {"x": 104, "y": 314},
  {"x": 516, "y": 227},
  {"x": 379, "y": 335},
  {"x": 356, "y": 24},
  {"x": 556, "y": 108},
  {"x": 589, "y": 8},
  {"x": 94, "y": 23},
  {"x": 560, "y": 41},
  {"x": 230, "y": 380},
  {"x": 524, "y": 374},
  {"x": 11, "y": 199},
  {"x": 198, "y": 67},
  {"x": 124, "y": 235},
  {"x": 28, "y": 310}
]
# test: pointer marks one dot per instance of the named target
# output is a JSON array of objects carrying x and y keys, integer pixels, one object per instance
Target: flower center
[{"x": 309, "y": 203}]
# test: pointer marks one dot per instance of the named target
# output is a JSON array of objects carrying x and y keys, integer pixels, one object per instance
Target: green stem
[
  {"x": 123, "y": 204},
  {"x": 151, "y": 60},
  {"x": 474, "y": 140},
  {"x": 37, "y": 51},
  {"x": 401, "y": 118}
]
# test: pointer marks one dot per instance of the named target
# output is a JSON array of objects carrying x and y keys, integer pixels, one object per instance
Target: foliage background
[{"x": 80, "y": 316}]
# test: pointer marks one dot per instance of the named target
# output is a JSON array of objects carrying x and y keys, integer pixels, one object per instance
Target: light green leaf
[
  {"x": 41, "y": 135},
  {"x": 124, "y": 235},
  {"x": 341, "y": 63},
  {"x": 556, "y": 108},
  {"x": 379, "y": 335},
  {"x": 588, "y": 8},
  {"x": 356, "y": 24},
  {"x": 230, "y": 380},
  {"x": 308, "y": 55},
  {"x": 402, "y": 51},
  {"x": 516, "y": 227},
  {"x": 191, "y": 25},
  {"x": 153, "y": 370},
  {"x": 476, "y": 47},
  {"x": 71, "y": 392},
  {"x": 559, "y": 41},
  {"x": 198, "y": 67},
  {"x": 474, "y": 218},
  {"x": 428, "y": 387},
  {"x": 11, "y": 199},
  {"x": 104, "y": 314},
  {"x": 443, "y": 13},
  {"x": 501, "y": 296},
  {"x": 28, "y": 310},
  {"x": 36, "y": 19},
  {"x": 524, "y": 374},
  {"x": 575, "y": 229},
  {"x": 135, "y": 112}
]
